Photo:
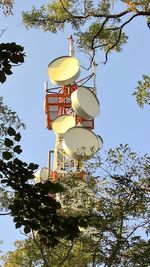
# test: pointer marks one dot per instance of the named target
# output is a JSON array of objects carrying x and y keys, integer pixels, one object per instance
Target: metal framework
[{"x": 57, "y": 104}]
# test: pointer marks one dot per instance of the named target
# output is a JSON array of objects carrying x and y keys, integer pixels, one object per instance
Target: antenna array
[{"x": 70, "y": 110}]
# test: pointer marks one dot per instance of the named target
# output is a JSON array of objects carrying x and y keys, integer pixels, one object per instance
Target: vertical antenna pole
[
  {"x": 45, "y": 86},
  {"x": 45, "y": 90},
  {"x": 71, "y": 47},
  {"x": 49, "y": 163},
  {"x": 94, "y": 77}
]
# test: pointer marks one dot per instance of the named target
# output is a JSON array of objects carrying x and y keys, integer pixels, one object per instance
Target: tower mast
[{"x": 71, "y": 46}]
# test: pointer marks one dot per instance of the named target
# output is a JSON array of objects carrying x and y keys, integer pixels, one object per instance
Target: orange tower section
[{"x": 57, "y": 104}]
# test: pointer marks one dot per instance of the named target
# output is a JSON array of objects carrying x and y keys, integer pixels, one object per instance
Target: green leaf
[
  {"x": 11, "y": 131},
  {"x": 17, "y": 137},
  {"x": 27, "y": 229},
  {"x": 7, "y": 155},
  {"x": 2, "y": 77},
  {"x": 8, "y": 71},
  {"x": 4, "y": 181},
  {"x": 8, "y": 142},
  {"x": 32, "y": 166},
  {"x": 14, "y": 59},
  {"x": 17, "y": 149},
  {"x": 16, "y": 219},
  {"x": 18, "y": 225}
]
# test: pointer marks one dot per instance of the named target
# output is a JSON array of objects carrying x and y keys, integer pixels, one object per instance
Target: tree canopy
[
  {"x": 7, "y": 6},
  {"x": 8, "y": 118},
  {"x": 98, "y": 26},
  {"x": 105, "y": 221},
  {"x": 117, "y": 230},
  {"x": 11, "y": 54}
]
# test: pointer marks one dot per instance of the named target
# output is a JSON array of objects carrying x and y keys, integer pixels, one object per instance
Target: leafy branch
[{"x": 54, "y": 16}]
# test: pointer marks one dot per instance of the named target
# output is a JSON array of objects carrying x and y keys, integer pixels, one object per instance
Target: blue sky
[{"x": 120, "y": 120}]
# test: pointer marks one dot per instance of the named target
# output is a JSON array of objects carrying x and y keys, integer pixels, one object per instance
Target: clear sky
[{"x": 120, "y": 120}]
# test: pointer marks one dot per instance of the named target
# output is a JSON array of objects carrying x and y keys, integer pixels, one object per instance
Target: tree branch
[
  {"x": 97, "y": 15},
  {"x": 41, "y": 250},
  {"x": 136, "y": 227},
  {"x": 2, "y": 32},
  {"x": 67, "y": 255},
  {"x": 3, "y": 214},
  {"x": 119, "y": 36}
]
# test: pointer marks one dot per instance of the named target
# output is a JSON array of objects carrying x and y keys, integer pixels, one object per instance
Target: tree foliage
[
  {"x": 142, "y": 92},
  {"x": 33, "y": 206},
  {"x": 11, "y": 54},
  {"x": 98, "y": 25},
  {"x": 7, "y": 6},
  {"x": 8, "y": 118},
  {"x": 118, "y": 225}
]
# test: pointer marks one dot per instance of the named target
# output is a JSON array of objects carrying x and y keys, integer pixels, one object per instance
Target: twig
[
  {"x": 3, "y": 214},
  {"x": 67, "y": 255},
  {"x": 135, "y": 228},
  {"x": 2, "y": 32},
  {"x": 99, "y": 31},
  {"x": 119, "y": 36},
  {"x": 41, "y": 250}
]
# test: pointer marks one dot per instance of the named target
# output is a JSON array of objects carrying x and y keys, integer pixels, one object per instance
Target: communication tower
[{"x": 70, "y": 109}]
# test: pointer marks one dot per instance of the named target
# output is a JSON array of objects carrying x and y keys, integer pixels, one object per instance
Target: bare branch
[
  {"x": 95, "y": 15},
  {"x": 98, "y": 33},
  {"x": 136, "y": 227},
  {"x": 2, "y": 32},
  {"x": 119, "y": 36},
  {"x": 3, "y": 214}
]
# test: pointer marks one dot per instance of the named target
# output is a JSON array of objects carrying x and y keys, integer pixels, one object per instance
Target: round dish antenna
[
  {"x": 85, "y": 103},
  {"x": 63, "y": 123},
  {"x": 64, "y": 70},
  {"x": 79, "y": 143},
  {"x": 41, "y": 175}
]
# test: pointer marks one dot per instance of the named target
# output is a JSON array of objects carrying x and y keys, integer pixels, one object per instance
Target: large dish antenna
[
  {"x": 85, "y": 103},
  {"x": 80, "y": 143},
  {"x": 63, "y": 123},
  {"x": 64, "y": 70}
]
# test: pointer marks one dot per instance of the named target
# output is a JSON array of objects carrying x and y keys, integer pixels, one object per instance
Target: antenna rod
[
  {"x": 49, "y": 163},
  {"x": 94, "y": 77},
  {"x": 71, "y": 47}
]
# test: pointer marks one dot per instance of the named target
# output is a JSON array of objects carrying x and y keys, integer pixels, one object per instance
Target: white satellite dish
[
  {"x": 62, "y": 123},
  {"x": 79, "y": 142},
  {"x": 64, "y": 70},
  {"x": 85, "y": 103},
  {"x": 41, "y": 175}
]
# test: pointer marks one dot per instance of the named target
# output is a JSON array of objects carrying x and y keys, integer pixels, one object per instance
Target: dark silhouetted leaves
[
  {"x": 17, "y": 137},
  {"x": 10, "y": 54},
  {"x": 8, "y": 142},
  {"x": 33, "y": 166},
  {"x": 17, "y": 149},
  {"x": 27, "y": 230},
  {"x": 7, "y": 155},
  {"x": 18, "y": 225},
  {"x": 11, "y": 131}
]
